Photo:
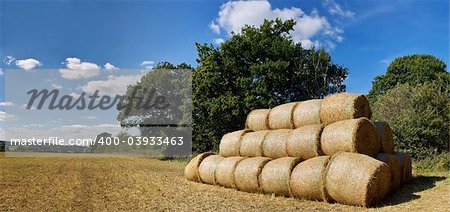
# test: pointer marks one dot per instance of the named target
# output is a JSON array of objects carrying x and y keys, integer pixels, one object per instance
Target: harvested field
[{"x": 86, "y": 184}]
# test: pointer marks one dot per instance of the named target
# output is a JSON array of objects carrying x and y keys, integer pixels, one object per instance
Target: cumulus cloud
[
  {"x": 336, "y": 9},
  {"x": 9, "y": 59},
  {"x": 5, "y": 116},
  {"x": 234, "y": 15},
  {"x": 1, "y": 72},
  {"x": 28, "y": 64},
  {"x": 148, "y": 64},
  {"x": 6, "y": 104},
  {"x": 110, "y": 67},
  {"x": 114, "y": 85},
  {"x": 75, "y": 69},
  {"x": 219, "y": 40}
]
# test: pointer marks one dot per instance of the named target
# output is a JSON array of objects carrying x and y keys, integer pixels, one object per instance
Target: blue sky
[{"x": 101, "y": 40}]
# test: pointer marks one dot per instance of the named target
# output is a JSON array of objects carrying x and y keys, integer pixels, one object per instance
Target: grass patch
[{"x": 438, "y": 163}]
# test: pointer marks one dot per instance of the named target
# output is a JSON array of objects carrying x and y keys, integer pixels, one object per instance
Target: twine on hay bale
[
  {"x": 252, "y": 143},
  {"x": 225, "y": 171},
  {"x": 406, "y": 165},
  {"x": 307, "y": 113},
  {"x": 247, "y": 174},
  {"x": 393, "y": 163},
  {"x": 274, "y": 145},
  {"x": 344, "y": 106},
  {"x": 352, "y": 135},
  {"x": 304, "y": 142},
  {"x": 385, "y": 136},
  {"x": 306, "y": 179},
  {"x": 276, "y": 174},
  {"x": 281, "y": 116},
  {"x": 208, "y": 167},
  {"x": 356, "y": 179},
  {"x": 231, "y": 143},
  {"x": 258, "y": 120},
  {"x": 191, "y": 171}
]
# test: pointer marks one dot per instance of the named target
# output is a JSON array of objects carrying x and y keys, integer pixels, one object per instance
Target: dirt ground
[{"x": 141, "y": 184}]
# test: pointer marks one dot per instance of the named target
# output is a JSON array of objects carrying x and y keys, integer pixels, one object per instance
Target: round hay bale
[
  {"x": 252, "y": 143},
  {"x": 231, "y": 143},
  {"x": 274, "y": 145},
  {"x": 225, "y": 171},
  {"x": 307, "y": 112},
  {"x": 356, "y": 179},
  {"x": 306, "y": 179},
  {"x": 208, "y": 167},
  {"x": 247, "y": 174},
  {"x": 344, "y": 106},
  {"x": 393, "y": 163},
  {"x": 304, "y": 142},
  {"x": 406, "y": 166},
  {"x": 276, "y": 174},
  {"x": 281, "y": 116},
  {"x": 385, "y": 136},
  {"x": 191, "y": 170},
  {"x": 258, "y": 120},
  {"x": 353, "y": 135}
]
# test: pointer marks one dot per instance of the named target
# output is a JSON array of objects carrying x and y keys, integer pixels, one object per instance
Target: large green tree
[
  {"x": 258, "y": 68},
  {"x": 411, "y": 69}
]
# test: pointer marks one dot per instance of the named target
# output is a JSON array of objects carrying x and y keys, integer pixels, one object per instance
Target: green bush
[{"x": 418, "y": 115}]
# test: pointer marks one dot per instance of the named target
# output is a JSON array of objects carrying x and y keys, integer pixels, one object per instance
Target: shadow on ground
[{"x": 407, "y": 192}]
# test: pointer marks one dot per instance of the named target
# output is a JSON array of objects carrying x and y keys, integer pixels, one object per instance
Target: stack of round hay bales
[
  {"x": 359, "y": 166},
  {"x": 343, "y": 106},
  {"x": 352, "y": 135},
  {"x": 356, "y": 179}
]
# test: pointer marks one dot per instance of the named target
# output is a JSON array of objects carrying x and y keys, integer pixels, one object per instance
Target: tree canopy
[
  {"x": 412, "y": 69},
  {"x": 257, "y": 68}
]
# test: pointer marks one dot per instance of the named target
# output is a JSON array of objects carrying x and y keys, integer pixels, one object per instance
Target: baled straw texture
[
  {"x": 356, "y": 179},
  {"x": 208, "y": 167},
  {"x": 231, "y": 143},
  {"x": 274, "y": 145},
  {"x": 225, "y": 171},
  {"x": 353, "y": 135},
  {"x": 393, "y": 163},
  {"x": 252, "y": 143},
  {"x": 304, "y": 142},
  {"x": 344, "y": 106},
  {"x": 385, "y": 136},
  {"x": 247, "y": 174},
  {"x": 191, "y": 170},
  {"x": 281, "y": 116},
  {"x": 306, "y": 179},
  {"x": 258, "y": 120},
  {"x": 406, "y": 165},
  {"x": 307, "y": 112},
  {"x": 276, "y": 174}
]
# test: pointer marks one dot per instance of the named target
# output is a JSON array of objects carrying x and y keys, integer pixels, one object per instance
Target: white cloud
[
  {"x": 234, "y": 15},
  {"x": 9, "y": 59},
  {"x": 90, "y": 117},
  {"x": 110, "y": 67},
  {"x": 214, "y": 27},
  {"x": 1, "y": 72},
  {"x": 114, "y": 85},
  {"x": 148, "y": 64},
  {"x": 5, "y": 116},
  {"x": 28, "y": 64},
  {"x": 219, "y": 40},
  {"x": 56, "y": 86},
  {"x": 75, "y": 69},
  {"x": 6, "y": 104},
  {"x": 24, "y": 106},
  {"x": 336, "y": 9}
]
